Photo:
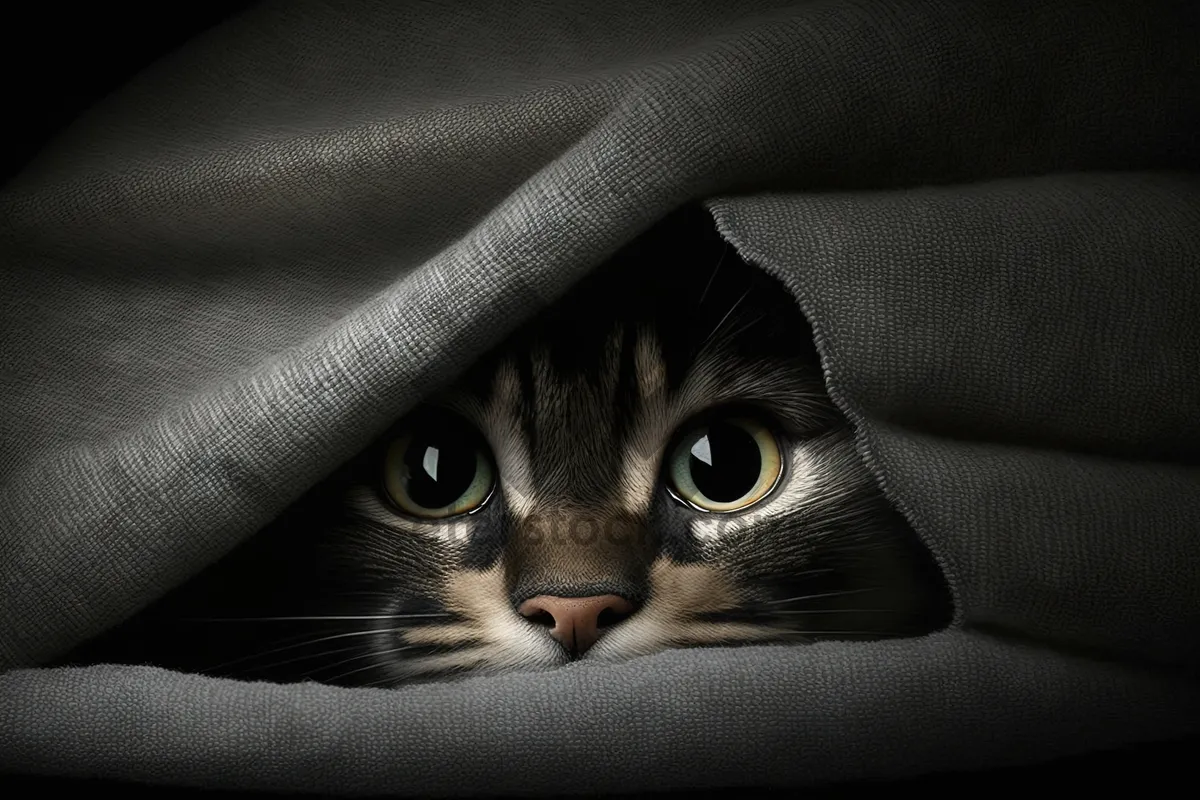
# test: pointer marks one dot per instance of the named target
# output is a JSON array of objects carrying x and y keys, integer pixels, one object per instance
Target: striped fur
[{"x": 578, "y": 409}]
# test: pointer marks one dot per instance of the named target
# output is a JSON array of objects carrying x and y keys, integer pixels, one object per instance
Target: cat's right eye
[
  {"x": 438, "y": 469},
  {"x": 727, "y": 464}
]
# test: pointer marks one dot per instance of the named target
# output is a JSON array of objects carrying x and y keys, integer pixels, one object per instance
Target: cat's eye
[
  {"x": 725, "y": 464},
  {"x": 438, "y": 469}
]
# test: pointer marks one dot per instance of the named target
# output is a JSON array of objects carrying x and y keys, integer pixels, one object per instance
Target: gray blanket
[{"x": 234, "y": 273}]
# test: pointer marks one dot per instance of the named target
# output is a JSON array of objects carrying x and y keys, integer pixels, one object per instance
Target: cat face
[
  {"x": 710, "y": 511},
  {"x": 644, "y": 467},
  {"x": 652, "y": 463}
]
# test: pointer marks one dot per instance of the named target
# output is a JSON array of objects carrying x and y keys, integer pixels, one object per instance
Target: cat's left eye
[
  {"x": 725, "y": 464},
  {"x": 438, "y": 469}
]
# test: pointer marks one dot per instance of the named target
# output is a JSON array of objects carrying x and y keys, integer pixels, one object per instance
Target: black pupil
[
  {"x": 440, "y": 468},
  {"x": 725, "y": 462}
]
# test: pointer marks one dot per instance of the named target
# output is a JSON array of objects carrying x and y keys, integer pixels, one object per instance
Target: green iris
[
  {"x": 438, "y": 472},
  {"x": 725, "y": 465}
]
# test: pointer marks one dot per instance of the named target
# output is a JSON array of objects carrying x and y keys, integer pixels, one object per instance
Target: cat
[{"x": 653, "y": 462}]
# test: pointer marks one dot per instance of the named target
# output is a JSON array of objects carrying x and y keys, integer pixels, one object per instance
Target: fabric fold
[
  {"x": 677, "y": 720},
  {"x": 1019, "y": 357},
  {"x": 234, "y": 273}
]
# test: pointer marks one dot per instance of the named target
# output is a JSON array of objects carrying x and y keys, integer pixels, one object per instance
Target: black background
[{"x": 59, "y": 60}]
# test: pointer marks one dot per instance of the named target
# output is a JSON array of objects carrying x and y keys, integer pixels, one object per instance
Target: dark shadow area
[{"x": 62, "y": 59}]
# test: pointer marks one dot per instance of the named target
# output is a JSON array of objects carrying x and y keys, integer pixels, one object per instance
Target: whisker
[
  {"x": 367, "y": 654},
  {"x": 321, "y": 618},
  {"x": 345, "y": 675},
  {"x": 320, "y": 654},
  {"x": 840, "y": 611},
  {"x": 732, "y": 308},
  {"x": 881, "y": 634},
  {"x": 305, "y": 643},
  {"x": 821, "y": 571},
  {"x": 716, "y": 269},
  {"x": 823, "y": 594},
  {"x": 736, "y": 332}
]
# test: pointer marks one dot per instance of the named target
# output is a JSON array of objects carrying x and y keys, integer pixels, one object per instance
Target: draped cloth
[{"x": 235, "y": 272}]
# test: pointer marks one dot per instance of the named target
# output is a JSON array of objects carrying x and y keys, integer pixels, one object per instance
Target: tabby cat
[{"x": 651, "y": 463}]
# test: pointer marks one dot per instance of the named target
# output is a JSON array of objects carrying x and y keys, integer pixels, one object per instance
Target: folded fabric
[{"x": 233, "y": 274}]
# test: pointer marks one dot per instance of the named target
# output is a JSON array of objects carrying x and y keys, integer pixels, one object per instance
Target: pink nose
[{"x": 577, "y": 621}]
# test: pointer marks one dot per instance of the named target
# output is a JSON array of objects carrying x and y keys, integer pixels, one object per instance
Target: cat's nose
[{"x": 576, "y": 621}]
